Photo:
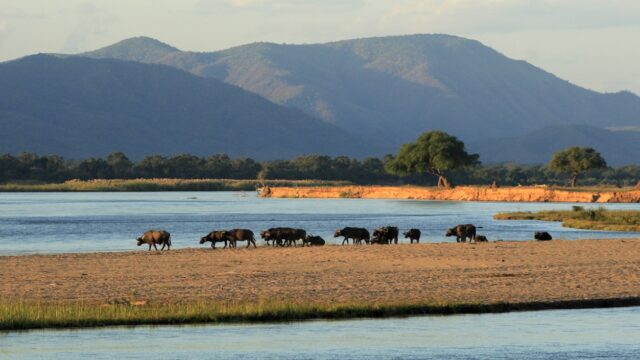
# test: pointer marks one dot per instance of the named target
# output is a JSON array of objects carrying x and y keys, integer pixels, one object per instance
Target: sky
[{"x": 591, "y": 43}]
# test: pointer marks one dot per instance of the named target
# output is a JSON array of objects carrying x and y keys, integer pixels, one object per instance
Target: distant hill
[
  {"x": 388, "y": 90},
  {"x": 79, "y": 107},
  {"x": 617, "y": 147}
]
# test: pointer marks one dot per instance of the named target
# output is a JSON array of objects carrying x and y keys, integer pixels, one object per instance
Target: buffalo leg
[
  {"x": 149, "y": 247},
  {"x": 154, "y": 246},
  {"x": 163, "y": 245}
]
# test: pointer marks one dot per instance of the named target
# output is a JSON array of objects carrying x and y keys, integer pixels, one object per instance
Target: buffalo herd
[{"x": 285, "y": 236}]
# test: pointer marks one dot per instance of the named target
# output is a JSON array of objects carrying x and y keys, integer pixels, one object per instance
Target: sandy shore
[
  {"x": 444, "y": 273},
  {"x": 460, "y": 193}
]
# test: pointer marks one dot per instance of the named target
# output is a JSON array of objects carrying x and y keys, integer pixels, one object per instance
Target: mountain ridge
[
  {"x": 79, "y": 107},
  {"x": 398, "y": 85}
]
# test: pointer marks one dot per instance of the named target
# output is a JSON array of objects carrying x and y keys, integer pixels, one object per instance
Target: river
[
  {"x": 556, "y": 334},
  {"x": 86, "y": 222}
]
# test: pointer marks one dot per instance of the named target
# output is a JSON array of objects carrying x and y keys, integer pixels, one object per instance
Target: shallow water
[
  {"x": 81, "y": 222},
  {"x": 558, "y": 334}
]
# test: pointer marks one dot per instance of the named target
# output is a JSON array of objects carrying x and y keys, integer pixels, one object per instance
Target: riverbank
[
  {"x": 161, "y": 185},
  {"x": 462, "y": 193},
  {"x": 580, "y": 218},
  {"x": 271, "y": 284}
]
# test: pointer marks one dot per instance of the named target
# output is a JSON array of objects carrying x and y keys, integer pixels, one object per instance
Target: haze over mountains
[{"x": 371, "y": 95}]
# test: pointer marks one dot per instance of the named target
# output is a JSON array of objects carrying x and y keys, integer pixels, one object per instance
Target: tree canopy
[
  {"x": 434, "y": 152},
  {"x": 576, "y": 160}
]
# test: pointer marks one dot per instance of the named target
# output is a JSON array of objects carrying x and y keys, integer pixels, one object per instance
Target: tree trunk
[
  {"x": 444, "y": 182},
  {"x": 574, "y": 180}
]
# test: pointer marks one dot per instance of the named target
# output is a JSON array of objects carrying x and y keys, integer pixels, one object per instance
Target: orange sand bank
[{"x": 461, "y": 193}]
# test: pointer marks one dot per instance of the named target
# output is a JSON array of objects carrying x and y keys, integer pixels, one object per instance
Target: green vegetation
[
  {"x": 581, "y": 218},
  {"x": 576, "y": 160},
  {"x": 23, "y": 316},
  {"x": 163, "y": 185},
  {"x": 28, "y": 169},
  {"x": 434, "y": 153}
]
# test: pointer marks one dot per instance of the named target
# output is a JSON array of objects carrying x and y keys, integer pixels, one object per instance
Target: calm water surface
[
  {"x": 81, "y": 222},
  {"x": 572, "y": 334}
]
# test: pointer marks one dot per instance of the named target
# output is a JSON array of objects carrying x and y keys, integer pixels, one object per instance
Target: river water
[
  {"x": 557, "y": 334},
  {"x": 84, "y": 222}
]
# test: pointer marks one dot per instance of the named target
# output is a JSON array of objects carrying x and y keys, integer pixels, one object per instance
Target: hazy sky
[{"x": 593, "y": 43}]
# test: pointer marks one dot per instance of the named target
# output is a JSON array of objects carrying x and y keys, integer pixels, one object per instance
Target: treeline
[{"x": 53, "y": 168}]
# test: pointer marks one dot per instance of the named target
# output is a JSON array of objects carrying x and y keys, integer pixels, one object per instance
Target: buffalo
[
  {"x": 542, "y": 236},
  {"x": 153, "y": 237},
  {"x": 481, "y": 238},
  {"x": 284, "y": 236},
  {"x": 214, "y": 237},
  {"x": 314, "y": 240},
  {"x": 269, "y": 235},
  {"x": 236, "y": 235},
  {"x": 412, "y": 234},
  {"x": 357, "y": 234},
  {"x": 462, "y": 232},
  {"x": 386, "y": 234}
]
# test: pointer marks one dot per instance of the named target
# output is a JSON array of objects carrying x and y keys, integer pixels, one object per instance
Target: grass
[
  {"x": 161, "y": 185},
  {"x": 25, "y": 316},
  {"x": 581, "y": 218}
]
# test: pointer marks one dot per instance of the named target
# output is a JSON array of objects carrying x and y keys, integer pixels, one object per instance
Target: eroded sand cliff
[{"x": 461, "y": 193}]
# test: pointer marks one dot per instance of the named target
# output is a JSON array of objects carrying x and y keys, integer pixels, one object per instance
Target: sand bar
[{"x": 445, "y": 273}]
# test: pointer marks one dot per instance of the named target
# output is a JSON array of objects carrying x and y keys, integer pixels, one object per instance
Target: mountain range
[
  {"x": 367, "y": 95},
  {"x": 79, "y": 107}
]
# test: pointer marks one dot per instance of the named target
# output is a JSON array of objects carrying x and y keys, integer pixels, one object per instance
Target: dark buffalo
[
  {"x": 282, "y": 236},
  {"x": 214, "y": 237},
  {"x": 412, "y": 234},
  {"x": 236, "y": 235},
  {"x": 481, "y": 238},
  {"x": 153, "y": 237},
  {"x": 314, "y": 240},
  {"x": 462, "y": 232},
  {"x": 386, "y": 234},
  {"x": 542, "y": 236},
  {"x": 357, "y": 234},
  {"x": 269, "y": 235}
]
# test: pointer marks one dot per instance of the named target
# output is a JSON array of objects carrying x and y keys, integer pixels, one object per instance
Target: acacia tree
[
  {"x": 576, "y": 160},
  {"x": 434, "y": 152}
]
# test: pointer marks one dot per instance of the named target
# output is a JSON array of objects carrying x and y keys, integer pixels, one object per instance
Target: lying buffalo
[
  {"x": 412, "y": 234},
  {"x": 282, "y": 236},
  {"x": 236, "y": 235},
  {"x": 462, "y": 232},
  {"x": 153, "y": 237},
  {"x": 481, "y": 238},
  {"x": 313, "y": 240},
  {"x": 357, "y": 234},
  {"x": 542, "y": 236},
  {"x": 385, "y": 234}
]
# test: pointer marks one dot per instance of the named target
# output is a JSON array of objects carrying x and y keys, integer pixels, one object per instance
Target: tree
[
  {"x": 185, "y": 166},
  {"x": 92, "y": 168},
  {"x": 153, "y": 166},
  {"x": 434, "y": 152},
  {"x": 576, "y": 160},
  {"x": 120, "y": 164}
]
